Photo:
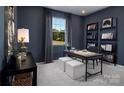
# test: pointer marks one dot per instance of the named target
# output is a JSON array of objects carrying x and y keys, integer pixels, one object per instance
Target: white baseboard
[
  {"x": 120, "y": 66},
  {"x": 38, "y": 63}
]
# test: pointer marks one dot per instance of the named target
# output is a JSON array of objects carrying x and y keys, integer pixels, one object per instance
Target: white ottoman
[
  {"x": 75, "y": 69},
  {"x": 61, "y": 62}
]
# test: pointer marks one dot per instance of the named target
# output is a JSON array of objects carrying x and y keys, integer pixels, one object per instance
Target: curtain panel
[
  {"x": 48, "y": 37},
  {"x": 48, "y": 32},
  {"x": 69, "y": 29}
]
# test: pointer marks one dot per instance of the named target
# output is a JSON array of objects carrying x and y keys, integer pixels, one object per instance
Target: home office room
[{"x": 61, "y": 45}]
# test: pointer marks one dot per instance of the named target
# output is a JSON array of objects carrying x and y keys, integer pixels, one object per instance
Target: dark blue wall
[
  {"x": 77, "y": 32},
  {"x": 1, "y": 35},
  {"x": 33, "y": 19},
  {"x": 116, "y": 12}
]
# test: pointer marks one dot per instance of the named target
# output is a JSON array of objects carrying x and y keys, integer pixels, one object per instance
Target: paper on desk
[{"x": 86, "y": 53}]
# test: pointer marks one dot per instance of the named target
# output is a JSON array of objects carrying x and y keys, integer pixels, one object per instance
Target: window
[{"x": 58, "y": 30}]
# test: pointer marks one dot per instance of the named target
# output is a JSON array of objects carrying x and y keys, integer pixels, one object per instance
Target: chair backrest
[{"x": 93, "y": 49}]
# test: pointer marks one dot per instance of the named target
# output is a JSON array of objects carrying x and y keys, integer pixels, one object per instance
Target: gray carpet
[{"x": 51, "y": 75}]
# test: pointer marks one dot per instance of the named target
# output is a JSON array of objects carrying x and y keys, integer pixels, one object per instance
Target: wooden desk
[
  {"x": 28, "y": 65},
  {"x": 83, "y": 56}
]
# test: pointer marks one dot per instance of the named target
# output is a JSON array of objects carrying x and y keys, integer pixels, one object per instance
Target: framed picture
[
  {"x": 106, "y": 23},
  {"x": 92, "y": 26},
  {"x": 107, "y": 36},
  {"x": 108, "y": 57},
  {"x": 91, "y": 45},
  {"x": 106, "y": 47}
]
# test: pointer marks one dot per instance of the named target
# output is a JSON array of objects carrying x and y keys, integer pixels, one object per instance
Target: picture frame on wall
[
  {"x": 107, "y": 23},
  {"x": 107, "y": 47},
  {"x": 108, "y": 57},
  {"x": 107, "y": 36},
  {"x": 91, "y": 45},
  {"x": 92, "y": 26}
]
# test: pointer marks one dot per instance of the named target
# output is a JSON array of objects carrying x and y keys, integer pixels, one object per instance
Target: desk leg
[
  {"x": 3, "y": 80},
  {"x": 93, "y": 64},
  {"x": 34, "y": 81},
  {"x": 97, "y": 62},
  {"x": 86, "y": 70},
  {"x": 101, "y": 66}
]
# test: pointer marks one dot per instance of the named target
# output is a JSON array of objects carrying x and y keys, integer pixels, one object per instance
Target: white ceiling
[{"x": 77, "y": 9}]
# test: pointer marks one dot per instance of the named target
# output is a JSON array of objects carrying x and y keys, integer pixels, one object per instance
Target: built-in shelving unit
[
  {"x": 105, "y": 38},
  {"x": 108, "y": 40},
  {"x": 92, "y": 35}
]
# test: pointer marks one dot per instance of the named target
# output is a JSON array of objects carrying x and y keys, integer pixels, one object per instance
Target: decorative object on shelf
[
  {"x": 91, "y": 45},
  {"x": 106, "y": 23},
  {"x": 108, "y": 57},
  {"x": 106, "y": 47},
  {"x": 23, "y": 37},
  {"x": 92, "y": 26},
  {"x": 107, "y": 36}
]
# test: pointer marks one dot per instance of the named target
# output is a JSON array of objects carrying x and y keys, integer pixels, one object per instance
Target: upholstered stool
[
  {"x": 75, "y": 69},
  {"x": 62, "y": 61}
]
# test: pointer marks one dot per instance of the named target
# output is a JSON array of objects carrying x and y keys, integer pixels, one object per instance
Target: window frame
[{"x": 65, "y": 36}]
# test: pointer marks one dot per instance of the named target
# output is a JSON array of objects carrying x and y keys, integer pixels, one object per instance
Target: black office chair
[{"x": 93, "y": 49}]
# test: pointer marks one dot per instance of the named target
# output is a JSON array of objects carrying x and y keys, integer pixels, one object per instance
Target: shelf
[
  {"x": 92, "y": 30},
  {"x": 92, "y": 39},
  {"x": 107, "y": 52},
  {"x": 108, "y": 40},
  {"x": 108, "y": 28}
]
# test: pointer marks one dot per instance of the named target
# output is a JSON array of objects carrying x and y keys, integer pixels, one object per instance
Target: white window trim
[{"x": 66, "y": 34}]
